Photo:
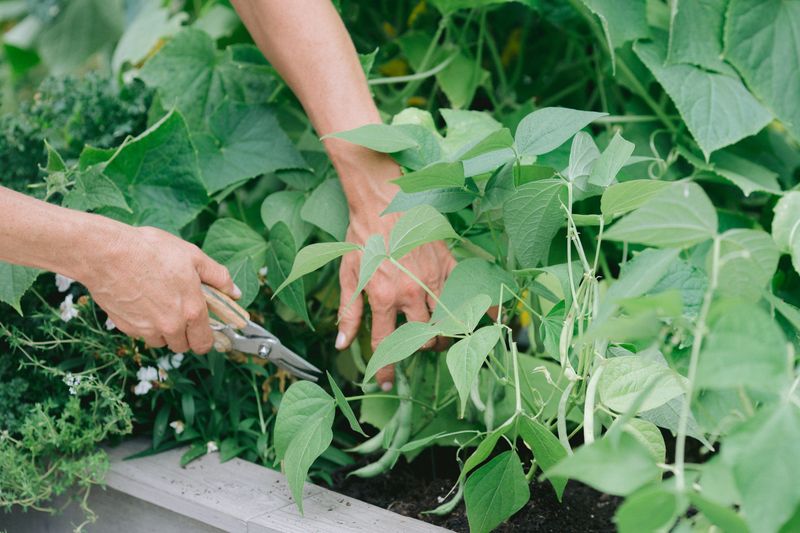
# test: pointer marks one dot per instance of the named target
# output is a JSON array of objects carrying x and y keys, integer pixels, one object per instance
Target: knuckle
[{"x": 195, "y": 312}]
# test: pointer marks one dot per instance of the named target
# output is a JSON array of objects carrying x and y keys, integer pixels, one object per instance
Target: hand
[
  {"x": 148, "y": 281},
  {"x": 389, "y": 291}
]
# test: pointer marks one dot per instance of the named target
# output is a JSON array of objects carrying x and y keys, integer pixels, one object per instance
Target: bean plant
[{"x": 616, "y": 179}]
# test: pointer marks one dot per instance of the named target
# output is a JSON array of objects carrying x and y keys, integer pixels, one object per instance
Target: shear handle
[{"x": 224, "y": 308}]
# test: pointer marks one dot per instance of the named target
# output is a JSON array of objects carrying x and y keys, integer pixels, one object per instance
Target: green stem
[{"x": 424, "y": 287}]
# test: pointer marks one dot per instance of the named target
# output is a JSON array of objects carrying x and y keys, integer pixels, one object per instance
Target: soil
[{"x": 411, "y": 489}]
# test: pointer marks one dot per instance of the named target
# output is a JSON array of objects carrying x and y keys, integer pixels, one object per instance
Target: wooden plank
[
  {"x": 329, "y": 512},
  {"x": 223, "y": 495}
]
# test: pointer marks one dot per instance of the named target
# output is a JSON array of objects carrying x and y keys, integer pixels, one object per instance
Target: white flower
[
  {"x": 162, "y": 375},
  {"x": 68, "y": 309},
  {"x": 170, "y": 362},
  {"x": 211, "y": 447},
  {"x": 147, "y": 373},
  {"x": 262, "y": 272},
  {"x": 178, "y": 426},
  {"x": 110, "y": 324},
  {"x": 63, "y": 282},
  {"x": 142, "y": 388}
]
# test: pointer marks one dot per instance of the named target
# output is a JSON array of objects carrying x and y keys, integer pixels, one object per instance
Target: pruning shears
[{"x": 233, "y": 330}]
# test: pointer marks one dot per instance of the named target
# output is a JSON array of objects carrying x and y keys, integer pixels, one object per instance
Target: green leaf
[
  {"x": 763, "y": 455},
  {"x": 157, "y": 172},
  {"x": 303, "y": 404},
  {"x": 546, "y": 129},
  {"x": 547, "y": 450},
  {"x": 469, "y": 314},
  {"x": 472, "y": 277},
  {"x": 279, "y": 262},
  {"x": 744, "y": 348},
  {"x": 327, "y": 209},
  {"x": 495, "y": 491},
  {"x": 344, "y": 406},
  {"x": 312, "y": 439},
  {"x": 624, "y": 197},
  {"x": 188, "y": 408},
  {"x": 650, "y": 510},
  {"x": 374, "y": 254},
  {"x": 420, "y": 225},
  {"x": 197, "y": 449},
  {"x": 15, "y": 281},
  {"x": 150, "y": 22},
  {"x": 378, "y": 137},
  {"x": 582, "y": 156},
  {"x": 532, "y": 217},
  {"x": 286, "y": 207},
  {"x": 650, "y": 436},
  {"x": 785, "y": 226},
  {"x": 242, "y": 141},
  {"x": 315, "y": 256},
  {"x": 193, "y": 77},
  {"x": 443, "y": 200},
  {"x": 622, "y": 21},
  {"x": 436, "y": 176},
  {"x": 725, "y": 518},
  {"x": 472, "y": 132},
  {"x": 82, "y": 28},
  {"x": 92, "y": 190},
  {"x": 617, "y": 466},
  {"x": 461, "y": 77},
  {"x": 608, "y": 165},
  {"x": 679, "y": 216},
  {"x": 668, "y": 415},
  {"x": 466, "y": 357},
  {"x": 399, "y": 345},
  {"x": 626, "y": 378},
  {"x": 761, "y": 41},
  {"x": 483, "y": 450},
  {"x": 705, "y": 100},
  {"x": 160, "y": 425},
  {"x": 241, "y": 250},
  {"x": 748, "y": 259},
  {"x": 748, "y": 176},
  {"x": 694, "y": 34}
]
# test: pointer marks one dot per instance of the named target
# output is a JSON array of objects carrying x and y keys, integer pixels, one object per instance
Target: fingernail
[
  {"x": 237, "y": 292},
  {"x": 341, "y": 341},
  {"x": 386, "y": 386}
]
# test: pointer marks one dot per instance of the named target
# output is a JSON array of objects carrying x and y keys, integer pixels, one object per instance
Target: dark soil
[{"x": 411, "y": 489}]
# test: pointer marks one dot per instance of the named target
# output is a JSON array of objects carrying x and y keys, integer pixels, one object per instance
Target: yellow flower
[{"x": 419, "y": 9}]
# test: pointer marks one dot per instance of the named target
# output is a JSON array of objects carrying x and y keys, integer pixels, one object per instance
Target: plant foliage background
[{"x": 617, "y": 177}]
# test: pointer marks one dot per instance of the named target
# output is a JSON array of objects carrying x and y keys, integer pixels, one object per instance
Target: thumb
[
  {"x": 350, "y": 312},
  {"x": 216, "y": 275}
]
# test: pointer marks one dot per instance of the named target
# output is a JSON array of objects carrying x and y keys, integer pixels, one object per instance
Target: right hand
[{"x": 149, "y": 283}]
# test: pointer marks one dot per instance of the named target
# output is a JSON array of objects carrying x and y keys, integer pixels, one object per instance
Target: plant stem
[
  {"x": 430, "y": 293},
  {"x": 699, "y": 334}
]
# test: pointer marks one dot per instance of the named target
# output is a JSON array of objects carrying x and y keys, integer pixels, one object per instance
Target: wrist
[
  {"x": 98, "y": 243},
  {"x": 366, "y": 177}
]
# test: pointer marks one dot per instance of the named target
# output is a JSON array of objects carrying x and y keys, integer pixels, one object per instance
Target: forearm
[
  {"x": 306, "y": 41},
  {"x": 41, "y": 235}
]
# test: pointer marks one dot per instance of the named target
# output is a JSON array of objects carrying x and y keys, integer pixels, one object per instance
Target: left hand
[{"x": 389, "y": 291}]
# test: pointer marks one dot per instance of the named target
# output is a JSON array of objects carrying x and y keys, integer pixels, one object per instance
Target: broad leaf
[
  {"x": 695, "y": 34},
  {"x": 472, "y": 277},
  {"x": 327, "y": 209},
  {"x": 624, "y": 197},
  {"x": 374, "y": 254},
  {"x": 420, "y": 225},
  {"x": 679, "y": 216},
  {"x": 150, "y": 23},
  {"x": 468, "y": 314},
  {"x": 281, "y": 254},
  {"x": 378, "y": 137},
  {"x": 92, "y": 190},
  {"x": 532, "y": 218},
  {"x": 608, "y": 165},
  {"x": 466, "y": 357},
  {"x": 761, "y": 41},
  {"x": 785, "y": 226},
  {"x": 650, "y": 436},
  {"x": 744, "y": 348},
  {"x": 547, "y": 450},
  {"x": 546, "y": 129},
  {"x": 443, "y": 200},
  {"x": 582, "y": 155},
  {"x": 748, "y": 176},
  {"x": 312, "y": 439},
  {"x": 495, "y": 491},
  {"x": 303, "y": 403},
  {"x": 158, "y": 174},
  {"x": 717, "y": 109},
  {"x": 242, "y": 141},
  {"x": 243, "y": 251},
  {"x": 468, "y": 131},
  {"x": 622, "y": 20},
  {"x": 315, "y": 256},
  {"x": 344, "y": 406},
  {"x": 723, "y": 517},
  {"x": 436, "y": 176},
  {"x": 618, "y": 465},
  {"x": 400, "y": 344},
  {"x": 483, "y": 450},
  {"x": 748, "y": 259},
  {"x": 625, "y": 379},
  {"x": 286, "y": 207},
  {"x": 650, "y": 509},
  {"x": 15, "y": 281}
]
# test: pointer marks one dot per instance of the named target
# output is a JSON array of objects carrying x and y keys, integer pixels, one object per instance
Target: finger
[
  {"x": 216, "y": 275},
  {"x": 198, "y": 331},
  {"x": 350, "y": 313},
  {"x": 155, "y": 341},
  {"x": 177, "y": 342},
  {"x": 385, "y": 377}
]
